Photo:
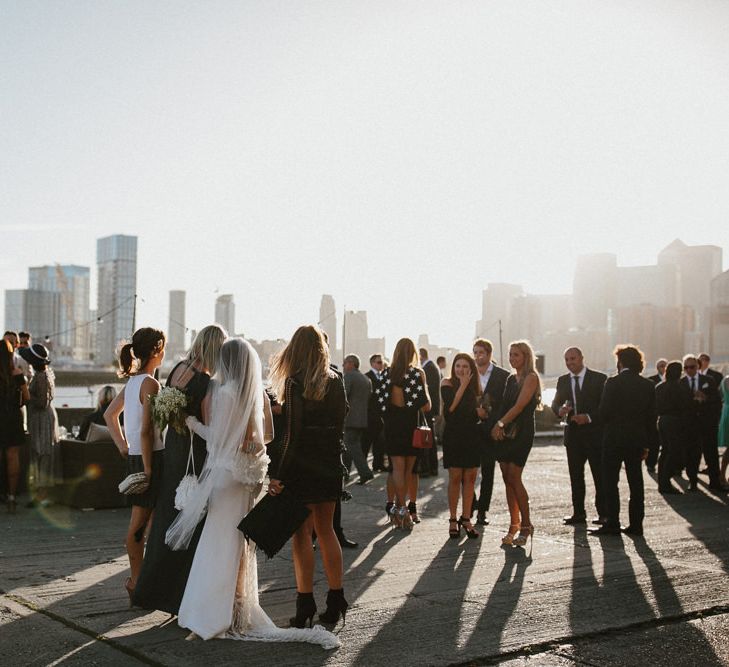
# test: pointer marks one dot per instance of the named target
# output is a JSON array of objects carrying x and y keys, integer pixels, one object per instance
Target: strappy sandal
[
  {"x": 454, "y": 533},
  {"x": 509, "y": 537},
  {"x": 525, "y": 533},
  {"x": 468, "y": 527}
]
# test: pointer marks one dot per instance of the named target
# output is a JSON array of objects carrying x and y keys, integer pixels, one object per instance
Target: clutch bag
[
  {"x": 273, "y": 520},
  {"x": 135, "y": 483}
]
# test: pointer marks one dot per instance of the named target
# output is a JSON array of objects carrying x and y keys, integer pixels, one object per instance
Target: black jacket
[
  {"x": 432, "y": 379},
  {"x": 495, "y": 391},
  {"x": 590, "y": 397},
  {"x": 628, "y": 411}
]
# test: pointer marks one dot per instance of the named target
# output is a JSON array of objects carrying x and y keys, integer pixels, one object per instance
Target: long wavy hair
[
  {"x": 206, "y": 347},
  {"x": 529, "y": 365},
  {"x": 474, "y": 385},
  {"x": 306, "y": 355},
  {"x": 404, "y": 356}
]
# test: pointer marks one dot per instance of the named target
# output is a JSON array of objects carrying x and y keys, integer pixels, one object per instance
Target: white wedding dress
[{"x": 221, "y": 596}]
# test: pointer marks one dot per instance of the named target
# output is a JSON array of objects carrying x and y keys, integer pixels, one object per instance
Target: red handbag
[{"x": 423, "y": 434}]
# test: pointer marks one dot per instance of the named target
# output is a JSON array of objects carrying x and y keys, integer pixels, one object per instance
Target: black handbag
[{"x": 274, "y": 519}]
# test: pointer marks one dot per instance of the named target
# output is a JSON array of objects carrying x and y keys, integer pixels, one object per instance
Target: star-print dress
[{"x": 400, "y": 422}]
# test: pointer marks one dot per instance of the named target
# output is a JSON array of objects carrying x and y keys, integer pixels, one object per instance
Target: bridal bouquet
[{"x": 168, "y": 408}]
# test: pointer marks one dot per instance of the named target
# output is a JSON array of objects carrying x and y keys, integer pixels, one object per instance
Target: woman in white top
[
  {"x": 221, "y": 595},
  {"x": 140, "y": 443}
]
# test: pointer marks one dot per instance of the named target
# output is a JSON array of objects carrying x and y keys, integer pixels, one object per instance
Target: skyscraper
[
  {"x": 328, "y": 320},
  {"x": 72, "y": 284},
  {"x": 32, "y": 310},
  {"x": 225, "y": 312},
  {"x": 116, "y": 259},
  {"x": 176, "y": 328}
]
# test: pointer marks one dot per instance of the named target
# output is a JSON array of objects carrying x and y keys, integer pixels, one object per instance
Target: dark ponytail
[{"x": 135, "y": 355}]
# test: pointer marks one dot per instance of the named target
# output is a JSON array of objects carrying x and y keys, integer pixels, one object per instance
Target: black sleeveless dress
[
  {"x": 516, "y": 450},
  {"x": 163, "y": 578},
  {"x": 462, "y": 439}
]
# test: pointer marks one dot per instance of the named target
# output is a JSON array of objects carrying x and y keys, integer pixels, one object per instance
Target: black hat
[{"x": 35, "y": 355}]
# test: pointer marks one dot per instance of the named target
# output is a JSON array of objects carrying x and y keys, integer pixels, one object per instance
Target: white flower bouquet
[{"x": 168, "y": 408}]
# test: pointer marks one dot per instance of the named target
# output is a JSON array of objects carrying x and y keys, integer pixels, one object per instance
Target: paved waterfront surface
[{"x": 418, "y": 599}]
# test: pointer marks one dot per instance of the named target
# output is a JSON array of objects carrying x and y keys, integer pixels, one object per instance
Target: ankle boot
[
  {"x": 336, "y": 604},
  {"x": 305, "y": 610}
]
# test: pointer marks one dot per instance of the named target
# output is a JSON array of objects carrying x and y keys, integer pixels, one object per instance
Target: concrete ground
[{"x": 416, "y": 599}]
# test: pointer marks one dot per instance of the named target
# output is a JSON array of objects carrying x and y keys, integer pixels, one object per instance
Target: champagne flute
[{"x": 568, "y": 405}]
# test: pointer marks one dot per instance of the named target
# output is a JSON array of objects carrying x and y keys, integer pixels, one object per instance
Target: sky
[{"x": 397, "y": 155}]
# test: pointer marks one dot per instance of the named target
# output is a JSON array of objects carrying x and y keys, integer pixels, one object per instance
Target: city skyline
[
  {"x": 679, "y": 303},
  {"x": 400, "y": 157}
]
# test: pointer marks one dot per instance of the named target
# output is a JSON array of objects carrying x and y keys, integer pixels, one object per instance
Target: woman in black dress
[
  {"x": 310, "y": 463},
  {"x": 13, "y": 393},
  {"x": 403, "y": 392},
  {"x": 461, "y": 440},
  {"x": 514, "y": 436},
  {"x": 163, "y": 578}
]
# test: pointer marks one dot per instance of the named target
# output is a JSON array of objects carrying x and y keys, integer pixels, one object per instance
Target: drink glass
[
  {"x": 75, "y": 430},
  {"x": 565, "y": 421}
]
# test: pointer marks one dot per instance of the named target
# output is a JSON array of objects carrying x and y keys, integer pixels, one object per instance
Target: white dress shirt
[{"x": 484, "y": 378}]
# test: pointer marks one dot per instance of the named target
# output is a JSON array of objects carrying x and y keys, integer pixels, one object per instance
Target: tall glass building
[{"x": 116, "y": 259}]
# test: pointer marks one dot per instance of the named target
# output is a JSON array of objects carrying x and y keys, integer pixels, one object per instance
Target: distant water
[
  {"x": 79, "y": 397},
  {"x": 85, "y": 397}
]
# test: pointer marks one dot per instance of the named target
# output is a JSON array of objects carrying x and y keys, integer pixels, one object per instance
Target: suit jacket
[
  {"x": 495, "y": 391},
  {"x": 655, "y": 379},
  {"x": 704, "y": 414},
  {"x": 628, "y": 411},
  {"x": 358, "y": 389},
  {"x": 432, "y": 379},
  {"x": 590, "y": 397}
]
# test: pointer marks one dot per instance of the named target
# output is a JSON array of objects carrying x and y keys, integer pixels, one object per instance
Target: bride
[{"x": 221, "y": 596}]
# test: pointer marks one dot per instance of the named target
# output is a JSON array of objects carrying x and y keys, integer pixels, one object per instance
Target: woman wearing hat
[{"x": 42, "y": 423}]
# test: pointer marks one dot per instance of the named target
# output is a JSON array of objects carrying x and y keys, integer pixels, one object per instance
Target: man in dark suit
[
  {"x": 628, "y": 413},
  {"x": 660, "y": 371},
  {"x": 432, "y": 379},
  {"x": 582, "y": 387},
  {"x": 702, "y": 425},
  {"x": 492, "y": 380},
  {"x": 359, "y": 390},
  {"x": 375, "y": 437}
]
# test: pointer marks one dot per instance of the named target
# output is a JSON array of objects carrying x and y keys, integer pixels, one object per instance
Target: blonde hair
[
  {"x": 307, "y": 354},
  {"x": 404, "y": 356},
  {"x": 529, "y": 364},
  {"x": 206, "y": 347}
]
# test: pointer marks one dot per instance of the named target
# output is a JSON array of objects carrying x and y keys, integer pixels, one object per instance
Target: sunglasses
[{"x": 688, "y": 368}]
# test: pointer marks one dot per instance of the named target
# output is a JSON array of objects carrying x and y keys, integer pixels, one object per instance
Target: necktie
[
  {"x": 578, "y": 394},
  {"x": 693, "y": 384}
]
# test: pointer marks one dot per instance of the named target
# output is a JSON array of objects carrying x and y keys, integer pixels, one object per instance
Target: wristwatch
[{"x": 500, "y": 424}]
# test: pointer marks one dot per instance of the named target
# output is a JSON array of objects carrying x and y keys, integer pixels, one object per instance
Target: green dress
[{"x": 724, "y": 422}]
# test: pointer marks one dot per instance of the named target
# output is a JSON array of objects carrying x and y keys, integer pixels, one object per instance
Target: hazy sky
[{"x": 399, "y": 155}]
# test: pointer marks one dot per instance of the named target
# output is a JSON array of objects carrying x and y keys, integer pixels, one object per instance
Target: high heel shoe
[
  {"x": 406, "y": 522},
  {"x": 413, "y": 510},
  {"x": 525, "y": 533},
  {"x": 454, "y": 532},
  {"x": 336, "y": 605},
  {"x": 395, "y": 520},
  {"x": 130, "y": 591},
  {"x": 509, "y": 537},
  {"x": 305, "y": 610},
  {"x": 470, "y": 530}
]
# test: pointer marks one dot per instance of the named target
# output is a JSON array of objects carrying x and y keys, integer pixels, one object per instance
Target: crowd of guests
[
  {"x": 314, "y": 423},
  {"x": 27, "y": 387}
]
